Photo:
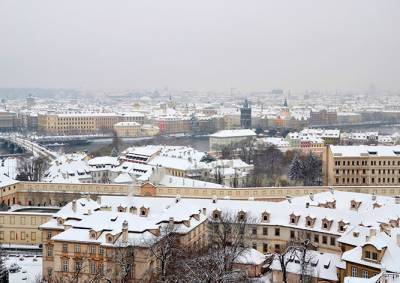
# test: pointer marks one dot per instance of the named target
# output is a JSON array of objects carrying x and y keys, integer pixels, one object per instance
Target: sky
[{"x": 200, "y": 45}]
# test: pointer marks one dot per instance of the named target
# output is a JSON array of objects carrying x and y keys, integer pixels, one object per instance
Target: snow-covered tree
[
  {"x": 312, "y": 169},
  {"x": 295, "y": 169}
]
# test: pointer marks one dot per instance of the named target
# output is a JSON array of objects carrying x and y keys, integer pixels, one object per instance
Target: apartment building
[
  {"x": 362, "y": 165},
  {"x": 93, "y": 230},
  {"x": 77, "y": 123},
  {"x": 20, "y": 225},
  {"x": 96, "y": 237}
]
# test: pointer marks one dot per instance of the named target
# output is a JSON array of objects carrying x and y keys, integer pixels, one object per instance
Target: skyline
[{"x": 200, "y": 46}]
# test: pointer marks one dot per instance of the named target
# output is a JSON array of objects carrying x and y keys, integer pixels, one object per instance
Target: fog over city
[
  {"x": 200, "y": 45},
  {"x": 212, "y": 141}
]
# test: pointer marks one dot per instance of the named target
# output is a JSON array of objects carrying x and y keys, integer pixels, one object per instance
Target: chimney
[
  {"x": 214, "y": 199},
  {"x": 171, "y": 221},
  {"x": 178, "y": 198},
  {"x": 372, "y": 232},
  {"x": 74, "y": 205},
  {"x": 331, "y": 190},
  {"x": 204, "y": 211},
  {"x": 397, "y": 199},
  {"x": 98, "y": 200},
  {"x": 288, "y": 198},
  {"x": 307, "y": 204},
  {"x": 89, "y": 212},
  {"x": 373, "y": 196},
  {"x": 88, "y": 197},
  {"x": 311, "y": 196},
  {"x": 125, "y": 231}
]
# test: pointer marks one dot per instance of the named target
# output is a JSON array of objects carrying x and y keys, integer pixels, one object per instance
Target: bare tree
[
  {"x": 228, "y": 236},
  {"x": 297, "y": 250},
  {"x": 165, "y": 249},
  {"x": 31, "y": 169}
]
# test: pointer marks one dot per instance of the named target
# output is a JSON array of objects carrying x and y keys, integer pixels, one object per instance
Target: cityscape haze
[{"x": 202, "y": 142}]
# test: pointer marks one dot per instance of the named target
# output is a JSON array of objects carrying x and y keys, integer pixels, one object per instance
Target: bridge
[{"x": 29, "y": 146}]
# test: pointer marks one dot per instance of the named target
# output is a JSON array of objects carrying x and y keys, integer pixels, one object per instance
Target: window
[
  {"x": 333, "y": 241},
  {"x": 33, "y": 236},
  {"x": 48, "y": 235},
  {"x": 277, "y": 232},
  {"x": 12, "y": 235},
  {"x": 324, "y": 240},
  {"x": 92, "y": 249},
  {"x": 1, "y": 235},
  {"x": 22, "y": 220},
  {"x": 33, "y": 220},
  {"x": 23, "y": 236},
  {"x": 92, "y": 267},
  {"x": 316, "y": 238},
  {"x": 65, "y": 248},
  {"x": 101, "y": 250},
  {"x": 265, "y": 247},
  {"x": 49, "y": 271},
  {"x": 49, "y": 251},
  {"x": 78, "y": 265},
  {"x": 254, "y": 231},
  {"x": 354, "y": 272},
  {"x": 254, "y": 246},
  {"x": 292, "y": 234},
  {"x": 64, "y": 265},
  {"x": 364, "y": 274},
  {"x": 265, "y": 231},
  {"x": 77, "y": 248}
]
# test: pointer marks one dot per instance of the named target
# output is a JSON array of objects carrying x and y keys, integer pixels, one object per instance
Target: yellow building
[
  {"x": 77, "y": 123},
  {"x": 21, "y": 225},
  {"x": 127, "y": 129},
  {"x": 362, "y": 165}
]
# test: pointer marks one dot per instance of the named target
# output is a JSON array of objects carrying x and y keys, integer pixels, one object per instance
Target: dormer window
[
  {"x": 265, "y": 217},
  {"x": 355, "y": 205},
  {"x": 60, "y": 221},
  {"x": 216, "y": 214},
  {"x": 371, "y": 255},
  {"x": 110, "y": 238},
  {"x": 294, "y": 219},
  {"x": 92, "y": 235},
  {"x": 310, "y": 221},
  {"x": 144, "y": 211},
  {"x": 342, "y": 226},
  {"x": 241, "y": 215},
  {"x": 326, "y": 224},
  {"x": 132, "y": 209},
  {"x": 121, "y": 209}
]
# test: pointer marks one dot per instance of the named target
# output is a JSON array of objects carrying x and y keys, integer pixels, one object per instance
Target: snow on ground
[
  {"x": 30, "y": 270},
  {"x": 8, "y": 167}
]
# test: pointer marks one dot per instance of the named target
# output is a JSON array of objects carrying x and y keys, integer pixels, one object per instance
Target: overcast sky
[{"x": 200, "y": 45}]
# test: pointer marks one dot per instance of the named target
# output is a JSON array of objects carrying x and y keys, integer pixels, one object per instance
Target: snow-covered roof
[
  {"x": 251, "y": 256},
  {"x": 323, "y": 264},
  {"x": 233, "y": 133},
  {"x": 103, "y": 160},
  {"x": 364, "y": 150}
]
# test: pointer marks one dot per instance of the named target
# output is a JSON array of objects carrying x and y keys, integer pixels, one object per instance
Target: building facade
[{"x": 362, "y": 165}]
